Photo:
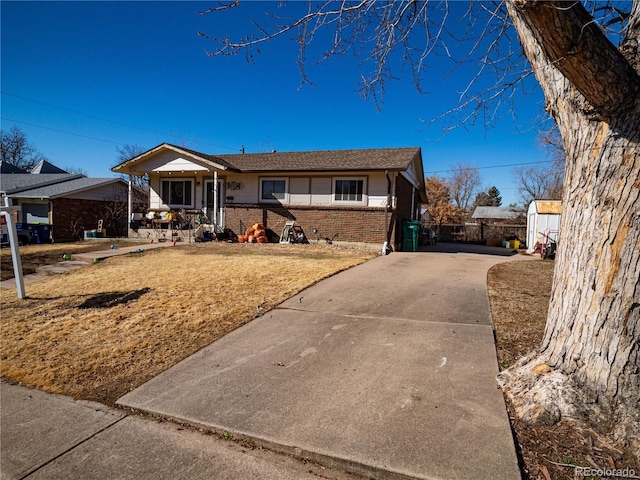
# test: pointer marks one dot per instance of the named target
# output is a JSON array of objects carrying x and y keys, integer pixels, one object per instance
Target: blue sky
[{"x": 81, "y": 78}]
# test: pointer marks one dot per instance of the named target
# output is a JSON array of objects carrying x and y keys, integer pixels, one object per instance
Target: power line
[
  {"x": 120, "y": 143},
  {"x": 115, "y": 122},
  {"x": 62, "y": 131},
  {"x": 177, "y": 136},
  {"x": 497, "y": 166}
]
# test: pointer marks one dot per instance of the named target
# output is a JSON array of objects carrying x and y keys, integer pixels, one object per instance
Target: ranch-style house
[{"x": 358, "y": 196}]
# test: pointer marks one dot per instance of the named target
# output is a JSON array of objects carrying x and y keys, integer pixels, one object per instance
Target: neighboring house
[
  {"x": 497, "y": 224},
  {"x": 46, "y": 167},
  {"x": 342, "y": 195},
  {"x": 8, "y": 168},
  {"x": 543, "y": 223},
  {"x": 498, "y": 215},
  {"x": 70, "y": 203}
]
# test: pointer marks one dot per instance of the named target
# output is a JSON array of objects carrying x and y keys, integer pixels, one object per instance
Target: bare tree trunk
[{"x": 588, "y": 365}]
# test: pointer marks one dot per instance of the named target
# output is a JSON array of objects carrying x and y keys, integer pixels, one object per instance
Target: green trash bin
[{"x": 410, "y": 235}]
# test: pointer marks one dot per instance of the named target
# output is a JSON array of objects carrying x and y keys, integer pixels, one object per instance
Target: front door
[{"x": 219, "y": 217}]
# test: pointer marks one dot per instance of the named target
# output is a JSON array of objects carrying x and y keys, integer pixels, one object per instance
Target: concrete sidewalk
[
  {"x": 51, "y": 437},
  {"x": 386, "y": 370}
]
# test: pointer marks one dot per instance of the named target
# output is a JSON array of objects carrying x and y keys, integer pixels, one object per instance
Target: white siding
[
  {"x": 155, "y": 203},
  {"x": 299, "y": 191},
  {"x": 249, "y": 188},
  {"x": 410, "y": 174},
  {"x": 377, "y": 187},
  {"x": 303, "y": 191},
  {"x": 170, "y": 162},
  {"x": 321, "y": 191}
]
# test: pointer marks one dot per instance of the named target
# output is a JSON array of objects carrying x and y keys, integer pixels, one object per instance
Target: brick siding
[
  {"x": 365, "y": 225},
  {"x": 403, "y": 207},
  {"x": 84, "y": 214}
]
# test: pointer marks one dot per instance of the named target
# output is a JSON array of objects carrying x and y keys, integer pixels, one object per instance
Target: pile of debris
[{"x": 255, "y": 234}]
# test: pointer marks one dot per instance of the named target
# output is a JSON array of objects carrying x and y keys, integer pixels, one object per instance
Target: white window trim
[
  {"x": 178, "y": 179},
  {"x": 349, "y": 202},
  {"x": 285, "y": 200}
]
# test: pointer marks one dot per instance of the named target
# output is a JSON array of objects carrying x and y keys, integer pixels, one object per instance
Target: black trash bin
[{"x": 42, "y": 233}]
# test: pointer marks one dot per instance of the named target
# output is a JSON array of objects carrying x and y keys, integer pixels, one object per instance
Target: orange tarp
[{"x": 255, "y": 234}]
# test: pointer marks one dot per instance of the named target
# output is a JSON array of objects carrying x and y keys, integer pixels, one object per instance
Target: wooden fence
[{"x": 480, "y": 232}]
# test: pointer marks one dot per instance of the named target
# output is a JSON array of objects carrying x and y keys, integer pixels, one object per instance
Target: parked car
[{"x": 25, "y": 236}]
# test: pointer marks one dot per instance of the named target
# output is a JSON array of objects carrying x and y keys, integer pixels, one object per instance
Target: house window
[
  {"x": 274, "y": 190},
  {"x": 349, "y": 190},
  {"x": 177, "y": 193}
]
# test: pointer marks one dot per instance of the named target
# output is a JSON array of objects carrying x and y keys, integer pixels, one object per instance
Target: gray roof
[
  {"x": 321, "y": 160},
  {"x": 502, "y": 213},
  {"x": 69, "y": 187},
  {"x": 327, "y": 160},
  {"x": 44, "y": 166},
  {"x": 8, "y": 168},
  {"x": 12, "y": 184}
]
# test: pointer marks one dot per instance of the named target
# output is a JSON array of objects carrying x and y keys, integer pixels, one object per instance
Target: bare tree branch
[
  {"x": 464, "y": 182},
  {"x": 16, "y": 150}
]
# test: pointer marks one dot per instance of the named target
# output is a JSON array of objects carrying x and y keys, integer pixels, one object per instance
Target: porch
[{"x": 172, "y": 226}]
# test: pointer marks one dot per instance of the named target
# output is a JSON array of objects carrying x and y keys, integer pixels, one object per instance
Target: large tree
[
  {"x": 464, "y": 182},
  {"x": 441, "y": 209},
  {"x": 587, "y": 367},
  {"x": 16, "y": 150},
  {"x": 490, "y": 198}
]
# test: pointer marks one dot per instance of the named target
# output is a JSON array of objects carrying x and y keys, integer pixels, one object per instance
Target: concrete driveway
[{"x": 387, "y": 369}]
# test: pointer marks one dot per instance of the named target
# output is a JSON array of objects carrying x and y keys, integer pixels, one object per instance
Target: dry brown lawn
[
  {"x": 100, "y": 331},
  {"x": 519, "y": 294},
  {"x": 34, "y": 256}
]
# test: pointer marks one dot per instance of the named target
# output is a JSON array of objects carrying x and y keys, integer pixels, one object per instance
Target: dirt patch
[
  {"x": 519, "y": 294},
  {"x": 100, "y": 331}
]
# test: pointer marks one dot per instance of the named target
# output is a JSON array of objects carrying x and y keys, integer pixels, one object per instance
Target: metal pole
[{"x": 7, "y": 211}]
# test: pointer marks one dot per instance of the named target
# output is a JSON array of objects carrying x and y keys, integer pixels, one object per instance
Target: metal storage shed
[{"x": 543, "y": 216}]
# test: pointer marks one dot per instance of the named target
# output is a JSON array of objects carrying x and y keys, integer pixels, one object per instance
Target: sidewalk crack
[{"x": 36, "y": 468}]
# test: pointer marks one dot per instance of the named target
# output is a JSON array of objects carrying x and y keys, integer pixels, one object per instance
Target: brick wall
[
  {"x": 366, "y": 225},
  {"x": 403, "y": 207},
  {"x": 72, "y": 214}
]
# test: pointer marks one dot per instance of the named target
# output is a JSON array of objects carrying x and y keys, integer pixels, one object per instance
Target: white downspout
[
  {"x": 129, "y": 204},
  {"x": 214, "y": 217}
]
